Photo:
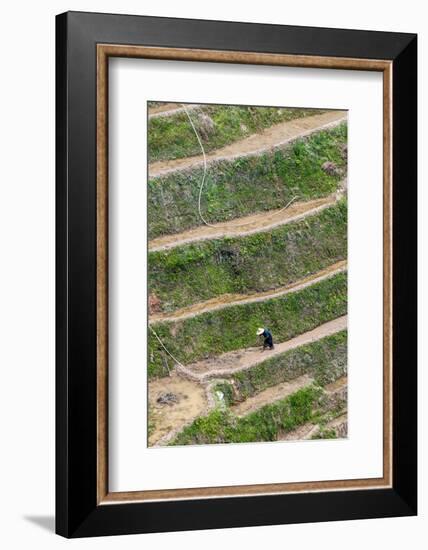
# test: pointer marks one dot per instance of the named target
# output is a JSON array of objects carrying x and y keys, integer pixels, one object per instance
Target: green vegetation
[
  {"x": 329, "y": 433},
  {"x": 263, "y": 261},
  {"x": 306, "y": 168},
  {"x": 325, "y": 360},
  {"x": 234, "y": 327},
  {"x": 333, "y": 411},
  {"x": 226, "y": 389},
  {"x": 171, "y": 137},
  {"x": 262, "y": 425},
  {"x": 245, "y": 185}
]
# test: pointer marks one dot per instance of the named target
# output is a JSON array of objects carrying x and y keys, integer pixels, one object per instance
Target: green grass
[
  {"x": 196, "y": 272},
  {"x": 332, "y": 411},
  {"x": 234, "y": 327},
  {"x": 171, "y": 137},
  {"x": 249, "y": 184},
  {"x": 326, "y": 434},
  {"x": 263, "y": 425}
]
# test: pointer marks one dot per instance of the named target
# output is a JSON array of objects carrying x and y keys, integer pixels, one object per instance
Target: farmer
[{"x": 267, "y": 335}]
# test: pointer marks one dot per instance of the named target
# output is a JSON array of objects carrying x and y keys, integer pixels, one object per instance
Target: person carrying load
[{"x": 267, "y": 335}]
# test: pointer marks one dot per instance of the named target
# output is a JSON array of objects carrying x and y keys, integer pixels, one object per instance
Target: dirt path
[
  {"x": 272, "y": 137},
  {"x": 270, "y": 395},
  {"x": 306, "y": 431},
  {"x": 195, "y": 399},
  {"x": 337, "y": 385},
  {"x": 340, "y": 425},
  {"x": 167, "y": 418},
  {"x": 168, "y": 109},
  {"x": 234, "y": 361},
  {"x": 247, "y": 225},
  {"x": 228, "y": 300}
]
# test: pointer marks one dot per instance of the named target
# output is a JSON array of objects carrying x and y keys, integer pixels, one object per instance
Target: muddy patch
[{"x": 173, "y": 402}]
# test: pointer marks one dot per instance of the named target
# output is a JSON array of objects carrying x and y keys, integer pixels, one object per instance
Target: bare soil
[
  {"x": 167, "y": 109},
  {"x": 163, "y": 107},
  {"x": 247, "y": 225},
  {"x": 302, "y": 432},
  {"x": 336, "y": 385},
  {"x": 270, "y": 395},
  {"x": 227, "y": 300},
  {"x": 234, "y": 361},
  {"x": 272, "y": 137},
  {"x": 163, "y": 419}
]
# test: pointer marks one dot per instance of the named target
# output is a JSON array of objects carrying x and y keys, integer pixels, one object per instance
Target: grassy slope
[
  {"x": 246, "y": 185},
  {"x": 309, "y": 404},
  {"x": 325, "y": 360},
  {"x": 234, "y": 328},
  {"x": 201, "y": 271},
  {"x": 258, "y": 262},
  {"x": 172, "y": 136},
  {"x": 263, "y": 425}
]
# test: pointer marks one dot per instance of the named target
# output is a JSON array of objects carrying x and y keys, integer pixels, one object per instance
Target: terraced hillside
[{"x": 262, "y": 244}]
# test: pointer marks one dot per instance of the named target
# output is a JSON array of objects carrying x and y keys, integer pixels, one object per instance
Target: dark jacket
[{"x": 267, "y": 335}]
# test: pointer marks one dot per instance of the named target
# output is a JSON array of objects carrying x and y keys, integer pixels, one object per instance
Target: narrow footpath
[
  {"x": 270, "y": 395},
  {"x": 235, "y": 361},
  {"x": 228, "y": 300},
  {"x": 168, "y": 109},
  {"x": 247, "y": 225},
  {"x": 270, "y": 138}
]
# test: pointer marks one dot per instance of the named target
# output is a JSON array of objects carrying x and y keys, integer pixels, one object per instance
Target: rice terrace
[{"x": 247, "y": 274}]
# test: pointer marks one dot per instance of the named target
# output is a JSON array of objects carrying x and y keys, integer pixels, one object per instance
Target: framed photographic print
[{"x": 236, "y": 274}]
